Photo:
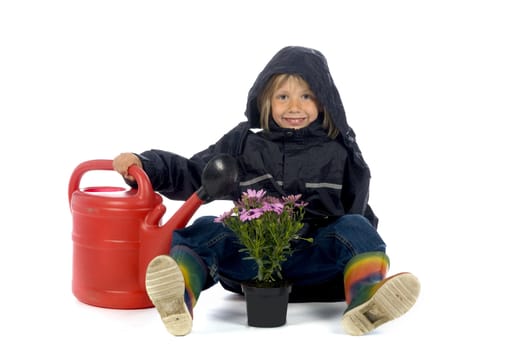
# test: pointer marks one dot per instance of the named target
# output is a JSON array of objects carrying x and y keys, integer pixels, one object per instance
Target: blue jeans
[{"x": 310, "y": 264}]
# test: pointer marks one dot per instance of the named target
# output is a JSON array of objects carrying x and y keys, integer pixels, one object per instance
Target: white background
[{"x": 435, "y": 91}]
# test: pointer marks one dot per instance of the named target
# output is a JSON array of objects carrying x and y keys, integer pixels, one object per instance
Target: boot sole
[
  {"x": 165, "y": 287},
  {"x": 393, "y": 299}
]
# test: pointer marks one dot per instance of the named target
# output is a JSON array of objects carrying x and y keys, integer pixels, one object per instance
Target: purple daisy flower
[{"x": 250, "y": 214}]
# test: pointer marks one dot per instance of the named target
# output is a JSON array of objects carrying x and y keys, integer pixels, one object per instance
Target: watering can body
[{"x": 116, "y": 232}]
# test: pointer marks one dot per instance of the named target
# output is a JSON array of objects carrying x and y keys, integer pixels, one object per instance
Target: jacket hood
[{"x": 312, "y": 66}]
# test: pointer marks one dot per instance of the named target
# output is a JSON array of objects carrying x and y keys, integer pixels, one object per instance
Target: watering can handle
[{"x": 145, "y": 193}]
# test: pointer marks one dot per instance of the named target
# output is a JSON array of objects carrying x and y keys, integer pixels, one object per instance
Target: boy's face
[{"x": 294, "y": 105}]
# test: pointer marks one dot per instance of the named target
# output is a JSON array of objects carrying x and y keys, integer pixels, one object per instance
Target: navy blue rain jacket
[{"x": 331, "y": 174}]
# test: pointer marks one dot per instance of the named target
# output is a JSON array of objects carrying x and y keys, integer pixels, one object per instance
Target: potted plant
[{"x": 266, "y": 226}]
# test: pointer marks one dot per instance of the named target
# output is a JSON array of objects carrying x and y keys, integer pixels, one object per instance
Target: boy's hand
[{"x": 123, "y": 161}]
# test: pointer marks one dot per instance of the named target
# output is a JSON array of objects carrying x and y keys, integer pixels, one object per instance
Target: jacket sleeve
[
  {"x": 172, "y": 175},
  {"x": 356, "y": 190},
  {"x": 177, "y": 177},
  {"x": 371, "y": 216}
]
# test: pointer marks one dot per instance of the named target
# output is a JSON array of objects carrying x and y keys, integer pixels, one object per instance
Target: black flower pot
[{"x": 266, "y": 306}]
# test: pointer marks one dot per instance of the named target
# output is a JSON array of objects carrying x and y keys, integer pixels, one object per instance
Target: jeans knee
[
  {"x": 204, "y": 220},
  {"x": 356, "y": 220},
  {"x": 360, "y": 233}
]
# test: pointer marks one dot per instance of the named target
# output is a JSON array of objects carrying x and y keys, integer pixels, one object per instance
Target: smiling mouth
[{"x": 295, "y": 120}]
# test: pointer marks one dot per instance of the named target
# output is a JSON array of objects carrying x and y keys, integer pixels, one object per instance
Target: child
[{"x": 305, "y": 147}]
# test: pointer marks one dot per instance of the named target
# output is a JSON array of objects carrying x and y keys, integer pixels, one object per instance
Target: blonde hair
[{"x": 265, "y": 110}]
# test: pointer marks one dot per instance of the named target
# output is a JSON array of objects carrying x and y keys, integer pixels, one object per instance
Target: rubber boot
[
  {"x": 373, "y": 299},
  {"x": 174, "y": 287}
]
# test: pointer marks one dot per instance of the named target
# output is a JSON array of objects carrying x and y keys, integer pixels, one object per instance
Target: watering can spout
[{"x": 219, "y": 178}]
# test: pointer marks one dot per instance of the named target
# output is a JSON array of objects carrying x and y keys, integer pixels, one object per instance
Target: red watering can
[{"x": 118, "y": 231}]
